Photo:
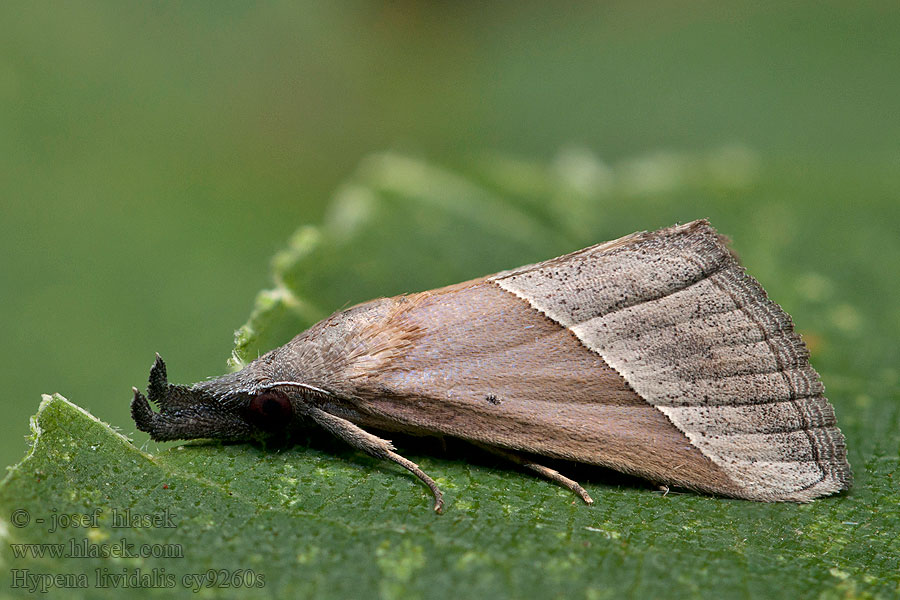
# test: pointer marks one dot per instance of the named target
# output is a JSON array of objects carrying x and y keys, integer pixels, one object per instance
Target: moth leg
[
  {"x": 374, "y": 445},
  {"x": 551, "y": 474}
]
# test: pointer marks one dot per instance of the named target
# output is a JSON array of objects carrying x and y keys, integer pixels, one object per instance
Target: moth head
[{"x": 237, "y": 406}]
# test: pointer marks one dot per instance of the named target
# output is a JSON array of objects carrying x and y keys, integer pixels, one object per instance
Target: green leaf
[{"x": 320, "y": 520}]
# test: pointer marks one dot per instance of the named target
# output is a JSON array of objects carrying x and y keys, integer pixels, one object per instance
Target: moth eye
[{"x": 269, "y": 411}]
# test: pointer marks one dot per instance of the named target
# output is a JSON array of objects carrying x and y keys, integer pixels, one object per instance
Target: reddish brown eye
[{"x": 270, "y": 411}]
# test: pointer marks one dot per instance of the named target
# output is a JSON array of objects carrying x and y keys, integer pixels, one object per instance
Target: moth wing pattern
[
  {"x": 675, "y": 314},
  {"x": 490, "y": 369}
]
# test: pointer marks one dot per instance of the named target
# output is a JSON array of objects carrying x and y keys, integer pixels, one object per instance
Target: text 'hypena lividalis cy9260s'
[{"x": 654, "y": 354}]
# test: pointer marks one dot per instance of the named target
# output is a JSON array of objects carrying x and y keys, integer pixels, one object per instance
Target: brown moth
[{"x": 654, "y": 354}]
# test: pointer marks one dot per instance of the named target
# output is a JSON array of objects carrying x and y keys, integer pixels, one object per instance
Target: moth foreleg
[
  {"x": 374, "y": 445},
  {"x": 551, "y": 474}
]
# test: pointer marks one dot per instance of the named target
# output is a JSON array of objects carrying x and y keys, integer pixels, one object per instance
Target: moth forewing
[
  {"x": 654, "y": 354},
  {"x": 697, "y": 338},
  {"x": 503, "y": 374}
]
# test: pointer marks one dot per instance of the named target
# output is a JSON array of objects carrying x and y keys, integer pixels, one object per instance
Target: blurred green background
[{"x": 153, "y": 156}]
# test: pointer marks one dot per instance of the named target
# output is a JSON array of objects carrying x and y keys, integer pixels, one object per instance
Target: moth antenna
[{"x": 302, "y": 386}]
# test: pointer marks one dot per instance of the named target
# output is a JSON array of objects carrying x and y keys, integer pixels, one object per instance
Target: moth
[{"x": 655, "y": 354}]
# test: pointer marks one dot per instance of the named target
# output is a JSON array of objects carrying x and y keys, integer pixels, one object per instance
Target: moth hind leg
[
  {"x": 546, "y": 472},
  {"x": 361, "y": 439}
]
